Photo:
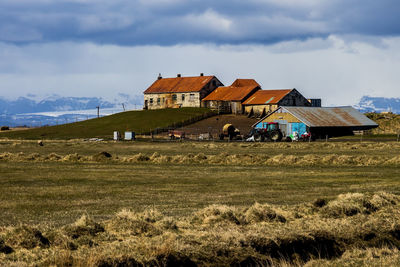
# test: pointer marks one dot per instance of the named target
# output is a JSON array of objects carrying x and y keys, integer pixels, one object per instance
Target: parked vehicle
[
  {"x": 174, "y": 134},
  {"x": 270, "y": 133}
]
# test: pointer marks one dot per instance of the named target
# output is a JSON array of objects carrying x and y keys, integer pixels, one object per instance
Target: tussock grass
[
  {"x": 356, "y": 227},
  {"x": 195, "y": 203},
  {"x": 219, "y": 159}
]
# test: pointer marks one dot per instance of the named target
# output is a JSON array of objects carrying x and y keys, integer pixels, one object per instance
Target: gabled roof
[
  {"x": 179, "y": 84},
  {"x": 328, "y": 116},
  {"x": 230, "y": 93},
  {"x": 263, "y": 97},
  {"x": 245, "y": 82}
]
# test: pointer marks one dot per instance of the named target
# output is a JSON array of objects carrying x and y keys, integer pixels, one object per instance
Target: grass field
[
  {"x": 36, "y": 190},
  {"x": 50, "y": 187},
  {"x": 143, "y": 121}
]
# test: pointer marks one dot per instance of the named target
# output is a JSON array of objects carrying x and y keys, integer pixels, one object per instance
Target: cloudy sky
[{"x": 337, "y": 50}]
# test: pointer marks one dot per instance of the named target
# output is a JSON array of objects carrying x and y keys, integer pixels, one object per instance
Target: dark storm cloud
[{"x": 169, "y": 22}]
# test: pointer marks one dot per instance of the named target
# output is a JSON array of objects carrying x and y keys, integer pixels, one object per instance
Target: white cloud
[
  {"x": 326, "y": 68},
  {"x": 209, "y": 20}
]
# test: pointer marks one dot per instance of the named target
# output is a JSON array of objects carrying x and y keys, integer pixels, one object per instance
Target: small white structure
[
  {"x": 129, "y": 135},
  {"x": 117, "y": 136}
]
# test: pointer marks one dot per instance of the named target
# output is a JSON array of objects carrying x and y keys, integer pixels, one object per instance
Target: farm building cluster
[
  {"x": 285, "y": 110},
  {"x": 244, "y": 96}
]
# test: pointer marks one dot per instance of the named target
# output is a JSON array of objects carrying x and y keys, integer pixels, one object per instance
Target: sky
[{"x": 337, "y": 50}]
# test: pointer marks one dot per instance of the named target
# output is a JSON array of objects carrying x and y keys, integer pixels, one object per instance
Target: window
[
  {"x": 173, "y": 97},
  {"x": 151, "y": 101},
  {"x": 183, "y": 97},
  {"x": 191, "y": 97},
  {"x": 272, "y": 126},
  {"x": 158, "y": 101}
]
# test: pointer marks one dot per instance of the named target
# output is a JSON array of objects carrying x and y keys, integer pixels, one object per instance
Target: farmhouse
[
  {"x": 266, "y": 101},
  {"x": 229, "y": 99},
  {"x": 319, "y": 121},
  {"x": 179, "y": 91}
]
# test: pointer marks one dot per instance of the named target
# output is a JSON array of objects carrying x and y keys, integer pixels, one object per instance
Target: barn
[
  {"x": 179, "y": 91},
  {"x": 318, "y": 121},
  {"x": 229, "y": 99},
  {"x": 266, "y": 101}
]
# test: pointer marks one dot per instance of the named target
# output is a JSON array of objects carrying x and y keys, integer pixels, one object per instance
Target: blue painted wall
[{"x": 298, "y": 127}]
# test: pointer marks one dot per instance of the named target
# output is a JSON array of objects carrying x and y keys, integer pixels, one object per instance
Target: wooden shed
[{"x": 319, "y": 121}]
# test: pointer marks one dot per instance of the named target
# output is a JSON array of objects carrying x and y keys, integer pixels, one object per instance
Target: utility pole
[
  {"x": 98, "y": 111},
  {"x": 123, "y": 106}
]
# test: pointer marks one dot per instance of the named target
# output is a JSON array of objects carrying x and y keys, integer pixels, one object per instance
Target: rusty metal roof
[
  {"x": 329, "y": 116},
  {"x": 179, "y": 84},
  {"x": 245, "y": 82},
  {"x": 231, "y": 93},
  {"x": 264, "y": 97}
]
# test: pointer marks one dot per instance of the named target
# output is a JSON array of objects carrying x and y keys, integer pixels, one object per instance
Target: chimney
[
  {"x": 159, "y": 76},
  {"x": 178, "y": 75},
  {"x": 201, "y": 74}
]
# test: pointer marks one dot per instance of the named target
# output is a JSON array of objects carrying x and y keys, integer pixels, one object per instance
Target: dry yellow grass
[
  {"x": 219, "y": 159},
  {"x": 353, "y": 229},
  {"x": 199, "y": 204}
]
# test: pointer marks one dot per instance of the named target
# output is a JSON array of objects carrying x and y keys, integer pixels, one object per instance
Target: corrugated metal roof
[
  {"x": 330, "y": 116},
  {"x": 245, "y": 82},
  {"x": 230, "y": 93},
  {"x": 179, "y": 84},
  {"x": 263, "y": 97}
]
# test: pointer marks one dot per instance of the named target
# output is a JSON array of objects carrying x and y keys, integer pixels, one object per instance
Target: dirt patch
[{"x": 213, "y": 125}]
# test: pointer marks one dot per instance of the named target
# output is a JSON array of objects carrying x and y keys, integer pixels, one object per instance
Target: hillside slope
[
  {"x": 138, "y": 121},
  {"x": 214, "y": 124},
  {"x": 389, "y": 123}
]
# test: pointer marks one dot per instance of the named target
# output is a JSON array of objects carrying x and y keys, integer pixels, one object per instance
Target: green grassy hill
[{"x": 142, "y": 121}]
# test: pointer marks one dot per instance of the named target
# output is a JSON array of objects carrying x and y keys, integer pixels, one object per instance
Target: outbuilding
[
  {"x": 229, "y": 99},
  {"x": 317, "y": 121},
  {"x": 266, "y": 101}
]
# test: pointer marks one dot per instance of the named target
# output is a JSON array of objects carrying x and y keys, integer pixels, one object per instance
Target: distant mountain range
[
  {"x": 378, "y": 104},
  {"x": 33, "y": 111},
  {"x": 52, "y": 110}
]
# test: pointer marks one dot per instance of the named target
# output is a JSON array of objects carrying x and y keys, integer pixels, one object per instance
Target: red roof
[
  {"x": 230, "y": 93},
  {"x": 245, "y": 82},
  {"x": 179, "y": 84},
  {"x": 262, "y": 97}
]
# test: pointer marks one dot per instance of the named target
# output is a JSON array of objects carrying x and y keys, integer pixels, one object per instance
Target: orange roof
[
  {"x": 245, "y": 82},
  {"x": 179, "y": 84},
  {"x": 263, "y": 97},
  {"x": 230, "y": 93}
]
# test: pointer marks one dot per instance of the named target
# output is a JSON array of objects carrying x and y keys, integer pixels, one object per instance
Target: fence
[{"x": 178, "y": 124}]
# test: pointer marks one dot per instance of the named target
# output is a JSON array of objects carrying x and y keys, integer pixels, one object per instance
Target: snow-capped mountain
[
  {"x": 35, "y": 111},
  {"x": 378, "y": 104}
]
